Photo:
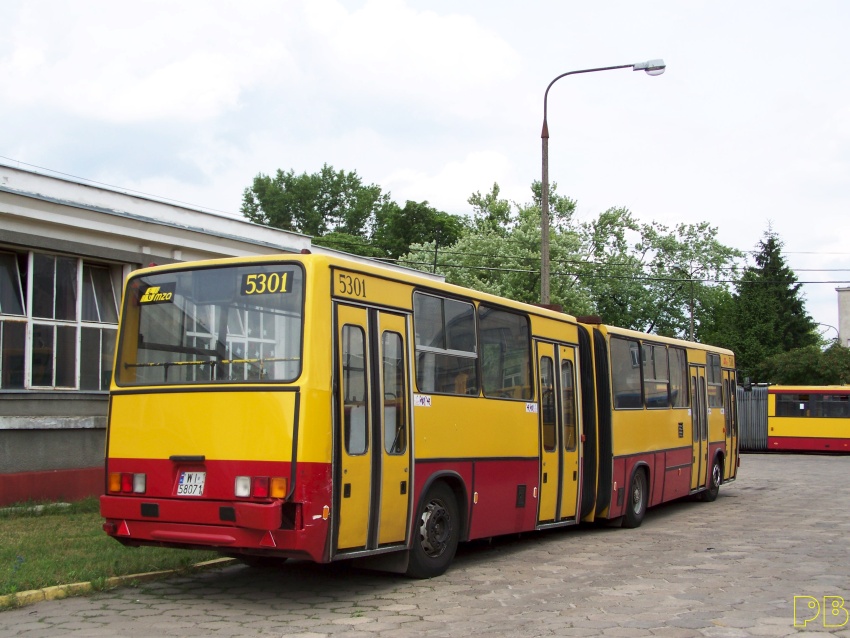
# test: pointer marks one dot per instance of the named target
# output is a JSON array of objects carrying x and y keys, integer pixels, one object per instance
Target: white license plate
[{"x": 191, "y": 484}]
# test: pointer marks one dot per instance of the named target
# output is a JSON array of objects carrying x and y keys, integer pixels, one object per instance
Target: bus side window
[
  {"x": 547, "y": 404},
  {"x": 446, "y": 345},
  {"x": 568, "y": 405},
  {"x": 505, "y": 354},
  {"x": 395, "y": 413},
  {"x": 625, "y": 373},
  {"x": 354, "y": 390}
]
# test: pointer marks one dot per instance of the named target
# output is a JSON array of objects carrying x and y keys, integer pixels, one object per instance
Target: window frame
[
  {"x": 466, "y": 377},
  {"x": 485, "y": 314},
  {"x": 62, "y": 368}
]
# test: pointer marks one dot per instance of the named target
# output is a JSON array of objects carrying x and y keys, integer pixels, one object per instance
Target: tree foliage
[
  {"x": 341, "y": 212},
  {"x": 499, "y": 252},
  {"x": 641, "y": 275},
  {"x": 652, "y": 278},
  {"x": 397, "y": 228},
  {"x": 314, "y": 204},
  {"x": 807, "y": 366},
  {"x": 766, "y": 316}
]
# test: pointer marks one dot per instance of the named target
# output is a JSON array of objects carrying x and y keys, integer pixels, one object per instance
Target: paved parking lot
[{"x": 723, "y": 569}]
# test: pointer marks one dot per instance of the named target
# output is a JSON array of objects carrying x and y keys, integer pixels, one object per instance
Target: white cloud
[
  {"x": 127, "y": 63},
  {"x": 387, "y": 50},
  {"x": 450, "y": 187}
]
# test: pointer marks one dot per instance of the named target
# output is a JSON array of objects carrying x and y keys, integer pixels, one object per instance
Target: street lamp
[{"x": 652, "y": 67}]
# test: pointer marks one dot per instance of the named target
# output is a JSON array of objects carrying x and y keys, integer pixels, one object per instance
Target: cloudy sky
[{"x": 433, "y": 100}]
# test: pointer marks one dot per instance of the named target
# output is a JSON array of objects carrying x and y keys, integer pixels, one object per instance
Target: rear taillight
[
  {"x": 127, "y": 483},
  {"x": 260, "y": 487}
]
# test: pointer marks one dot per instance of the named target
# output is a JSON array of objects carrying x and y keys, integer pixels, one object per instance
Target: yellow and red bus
[
  {"x": 808, "y": 418},
  {"x": 311, "y": 406}
]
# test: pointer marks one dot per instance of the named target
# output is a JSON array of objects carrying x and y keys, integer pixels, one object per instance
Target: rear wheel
[
  {"x": 714, "y": 482},
  {"x": 636, "y": 506},
  {"x": 436, "y": 534}
]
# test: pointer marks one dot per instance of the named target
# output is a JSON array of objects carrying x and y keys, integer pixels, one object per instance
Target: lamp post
[{"x": 652, "y": 67}]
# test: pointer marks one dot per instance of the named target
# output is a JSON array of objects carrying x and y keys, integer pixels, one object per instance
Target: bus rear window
[{"x": 212, "y": 325}]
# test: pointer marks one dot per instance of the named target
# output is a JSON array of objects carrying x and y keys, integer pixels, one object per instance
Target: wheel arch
[
  {"x": 642, "y": 465},
  {"x": 720, "y": 455}
]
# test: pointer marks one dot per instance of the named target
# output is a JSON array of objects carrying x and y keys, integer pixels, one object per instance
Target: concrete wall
[{"x": 51, "y": 445}]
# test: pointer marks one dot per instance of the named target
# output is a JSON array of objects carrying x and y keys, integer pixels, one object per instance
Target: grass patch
[{"x": 43, "y": 545}]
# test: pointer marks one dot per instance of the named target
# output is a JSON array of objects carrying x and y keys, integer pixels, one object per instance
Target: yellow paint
[
  {"x": 362, "y": 287},
  {"x": 250, "y": 426}
]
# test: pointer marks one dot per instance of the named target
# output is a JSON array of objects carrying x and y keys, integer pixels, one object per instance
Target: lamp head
[{"x": 651, "y": 67}]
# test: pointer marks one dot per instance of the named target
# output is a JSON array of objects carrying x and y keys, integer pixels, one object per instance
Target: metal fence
[{"x": 752, "y": 418}]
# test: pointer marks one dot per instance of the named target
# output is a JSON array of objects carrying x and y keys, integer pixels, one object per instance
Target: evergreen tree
[{"x": 767, "y": 314}]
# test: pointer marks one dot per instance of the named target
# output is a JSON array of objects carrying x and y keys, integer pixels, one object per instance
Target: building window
[
  {"x": 12, "y": 323},
  {"x": 58, "y": 320}
]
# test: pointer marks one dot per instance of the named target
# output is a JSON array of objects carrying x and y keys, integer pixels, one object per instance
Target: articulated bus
[
  {"x": 311, "y": 406},
  {"x": 797, "y": 418}
]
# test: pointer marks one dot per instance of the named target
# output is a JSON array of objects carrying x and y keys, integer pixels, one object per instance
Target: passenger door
[
  {"x": 731, "y": 412},
  {"x": 559, "y": 433},
  {"x": 699, "y": 425},
  {"x": 372, "y": 473}
]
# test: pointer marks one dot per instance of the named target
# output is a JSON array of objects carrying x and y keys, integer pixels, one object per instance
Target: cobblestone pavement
[{"x": 723, "y": 569}]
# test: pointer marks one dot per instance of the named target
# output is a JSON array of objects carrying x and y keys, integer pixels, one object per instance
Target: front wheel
[
  {"x": 636, "y": 507},
  {"x": 436, "y": 534},
  {"x": 715, "y": 481}
]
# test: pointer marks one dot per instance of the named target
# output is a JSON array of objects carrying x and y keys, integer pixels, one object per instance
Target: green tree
[
  {"x": 499, "y": 252},
  {"x": 354, "y": 244},
  {"x": 807, "y": 366},
  {"x": 766, "y": 316},
  {"x": 314, "y": 204},
  {"x": 652, "y": 278},
  {"x": 396, "y": 228}
]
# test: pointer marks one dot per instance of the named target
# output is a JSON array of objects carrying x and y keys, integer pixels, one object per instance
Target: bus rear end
[{"x": 202, "y": 442}]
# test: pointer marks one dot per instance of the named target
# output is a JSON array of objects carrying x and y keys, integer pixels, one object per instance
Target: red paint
[
  {"x": 496, "y": 483},
  {"x": 496, "y": 511},
  {"x": 55, "y": 485},
  {"x": 163, "y": 474},
  {"x": 669, "y": 475},
  {"x": 807, "y": 444},
  {"x": 197, "y": 521}
]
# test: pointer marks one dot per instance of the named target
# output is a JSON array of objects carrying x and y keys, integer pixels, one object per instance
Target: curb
[{"x": 21, "y": 599}]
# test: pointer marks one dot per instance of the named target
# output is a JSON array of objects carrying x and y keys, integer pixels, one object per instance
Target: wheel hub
[{"x": 434, "y": 529}]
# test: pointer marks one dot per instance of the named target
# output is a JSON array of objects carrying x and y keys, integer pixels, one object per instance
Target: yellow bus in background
[
  {"x": 808, "y": 418},
  {"x": 310, "y": 406}
]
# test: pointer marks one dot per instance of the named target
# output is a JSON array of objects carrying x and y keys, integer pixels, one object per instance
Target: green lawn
[{"x": 63, "y": 545}]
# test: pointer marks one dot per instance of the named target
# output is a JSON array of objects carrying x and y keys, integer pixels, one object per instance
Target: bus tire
[
  {"x": 637, "y": 499},
  {"x": 436, "y": 533},
  {"x": 714, "y": 482}
]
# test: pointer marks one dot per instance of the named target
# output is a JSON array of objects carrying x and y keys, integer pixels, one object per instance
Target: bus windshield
[{"x": 231, "y": 324}]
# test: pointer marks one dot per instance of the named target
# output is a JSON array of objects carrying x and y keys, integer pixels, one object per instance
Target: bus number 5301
[{"x": 349, "y": 285}]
